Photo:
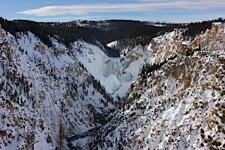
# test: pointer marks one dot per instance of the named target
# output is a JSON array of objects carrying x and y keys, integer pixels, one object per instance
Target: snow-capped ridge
[{"x": 112, "y": 44}]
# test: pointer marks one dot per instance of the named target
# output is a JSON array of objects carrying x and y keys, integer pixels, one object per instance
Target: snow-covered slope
[
  {"x": 178, "y": 100},
  {"x": 115, "y": 74},
  {"x": 46, "y": 96},
  {"x": 52, "y": 94}
]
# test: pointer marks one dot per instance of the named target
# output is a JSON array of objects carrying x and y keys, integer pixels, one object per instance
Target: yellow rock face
[
  {"x": 213, "y": 39},
  {"x": 216, "y": 29},
  {"x": 196, "y": 42},
  {"x": 1, "y": 34},
  {"x": 40, "y": 48}
]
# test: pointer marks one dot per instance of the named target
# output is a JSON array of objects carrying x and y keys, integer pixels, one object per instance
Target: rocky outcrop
[
  {"x": 213, "y": 39},
  {"x": 166, "y": 46}
]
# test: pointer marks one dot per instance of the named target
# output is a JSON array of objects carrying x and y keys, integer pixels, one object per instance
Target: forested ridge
[{"x": 125, "y": 31}]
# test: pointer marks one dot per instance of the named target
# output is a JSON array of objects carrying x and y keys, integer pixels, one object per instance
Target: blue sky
[{"x": 145, "y": 10}]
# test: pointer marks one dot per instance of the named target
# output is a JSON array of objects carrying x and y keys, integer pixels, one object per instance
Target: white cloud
[
  {"x": 69, "y": 18},
  {"x": 145, "y": 5}
]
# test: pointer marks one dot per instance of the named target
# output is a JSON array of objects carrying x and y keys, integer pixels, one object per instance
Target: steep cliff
[
  {"x": 178, "y": 100},
  {"x": 46, "y": 95}
]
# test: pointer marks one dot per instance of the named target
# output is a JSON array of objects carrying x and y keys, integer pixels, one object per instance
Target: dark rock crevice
[{"x": 100, "y": 119}]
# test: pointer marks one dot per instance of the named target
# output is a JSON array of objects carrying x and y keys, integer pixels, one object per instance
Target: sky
[{"x": 178, "y": 11}]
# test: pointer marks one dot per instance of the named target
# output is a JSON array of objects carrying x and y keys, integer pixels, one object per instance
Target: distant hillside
[
  {"x": 99, "y": 31},
  {"x": 90, "y": 31}
]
